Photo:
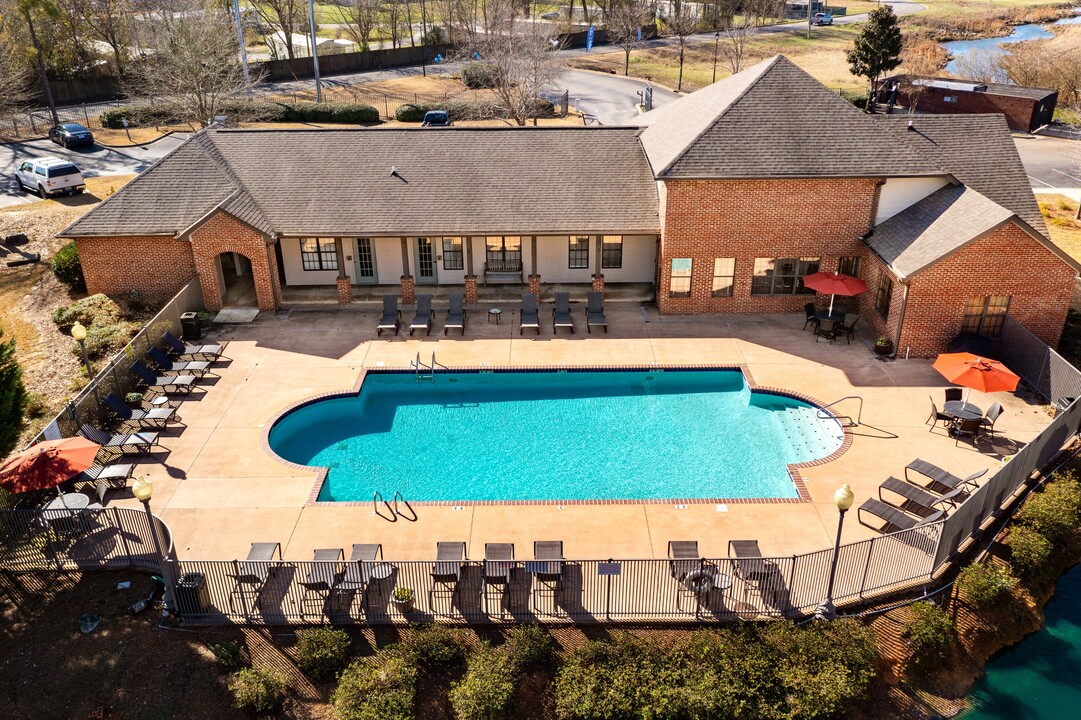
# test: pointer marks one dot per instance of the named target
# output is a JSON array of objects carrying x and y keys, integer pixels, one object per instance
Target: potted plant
[
  {"x": 134, "y": 400},
  {"x": 883, "y": 346},
  {"x": 403, "y": 599},
  {"x": 204, "y": 319}
]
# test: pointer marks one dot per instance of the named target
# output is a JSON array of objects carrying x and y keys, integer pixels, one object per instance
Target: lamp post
[
  {"x": 716, "y": 47},
  {"x": 143, "y": 489},
  {"x": 78, "y": 333},
  {"x": 843, "y": 500}
]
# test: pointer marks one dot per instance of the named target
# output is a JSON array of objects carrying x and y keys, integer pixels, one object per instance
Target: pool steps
[{"x": 808, "y": 433}]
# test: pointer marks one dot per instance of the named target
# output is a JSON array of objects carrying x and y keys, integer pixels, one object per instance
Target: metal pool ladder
[
  {"x": 395, "y": 512},
  {"x": 425, "y": 372},
  {"x": 846, "y": 420}
]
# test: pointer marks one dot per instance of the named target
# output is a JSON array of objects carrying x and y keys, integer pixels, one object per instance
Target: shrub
[
  {"x": 257, "y": 689},
  {"x": 1056, "y": 511},
  {"x": 457, "y": 109},
  {"x": 530, "y": 645},
  {"x": 106, "y": 330},
  {"x": 377, "y": 688},
  {"x": 229, "y": 655},
  {"x": 617, "y": 679},
  {"x": 242, "y": 110},
  {"x": 984, "y": 584},
  {"x": 435, "y": 644},
  {"x": 323, "y": 651},
  {"x": 331, "y": 113},
  {"x": 478, "y": 75},
  {"x": 12, "y": 396},
  {"x": 486, "y": 690},
  {"x": 67, "y": 268},
  {"x": 1029, "y": 550},
  {"x": 929, "y": 631},
  {"x": 36, "y": 406}
]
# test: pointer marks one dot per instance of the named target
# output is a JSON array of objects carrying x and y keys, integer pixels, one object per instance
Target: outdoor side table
[
  {"x": 495, "y": 313},
  {"x": 64, "y": 512}
]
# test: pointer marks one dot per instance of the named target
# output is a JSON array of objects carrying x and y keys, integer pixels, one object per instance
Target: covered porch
[{"x": 503, "y": 294}]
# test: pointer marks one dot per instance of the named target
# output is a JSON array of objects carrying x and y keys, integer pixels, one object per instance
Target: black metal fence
[{"x": 1047, "y": 372}]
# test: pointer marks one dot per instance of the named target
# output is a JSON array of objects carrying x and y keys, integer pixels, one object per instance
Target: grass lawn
[{"x": 1065, "y": 232}]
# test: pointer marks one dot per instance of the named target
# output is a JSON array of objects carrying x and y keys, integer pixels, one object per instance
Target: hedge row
[
  {"x": 331, "y": 112},
  {"x": 465, "y": 110}
]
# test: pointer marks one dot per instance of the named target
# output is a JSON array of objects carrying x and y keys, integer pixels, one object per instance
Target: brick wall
[
  {"x": 224, "y": 233},
  {"x": 1007, "y": 261},
  {"x": 747, "y": 219},
  {"x": 1019, "y": 111},
  {"x": 873, "y": 271},
  {"x": 155, "y": 267}
]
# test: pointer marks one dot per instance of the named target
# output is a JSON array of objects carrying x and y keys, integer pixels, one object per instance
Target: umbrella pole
[
  {"x": 831, "y": 304},
  {"x": 967, "y": 393}
]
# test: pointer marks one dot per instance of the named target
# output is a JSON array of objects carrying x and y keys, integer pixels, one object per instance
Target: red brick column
[
  {"x": 345, "y": 291},
  {"x": 534, "y": 285},
  {"x": 598, "y": 283},
  {"x": 409, "y": 295},
  {"x": 470, "y": 289}
]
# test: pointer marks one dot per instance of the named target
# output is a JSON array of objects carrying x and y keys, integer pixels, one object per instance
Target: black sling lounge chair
[
  {"x": 456, "y": 314},
  {"x": 894, "y": 517},
  {"x": 422, "y": 320},
  {"x": 530, "y": 318},
  {"x": 561, "y": 313},
  {"x": 210, "y": 351},
  {"x": 165, "y": 383},
  {"x": 154, "y": 417},
  {"x": 196, "y": 367},
  {"x": 392, "y": 316},
  {"x": 595, "y": 312}
]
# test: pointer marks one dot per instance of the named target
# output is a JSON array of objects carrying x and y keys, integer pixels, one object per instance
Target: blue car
[{"x": 71, "y": 135}]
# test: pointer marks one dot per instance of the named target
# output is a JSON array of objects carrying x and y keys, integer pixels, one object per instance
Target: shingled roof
[
  {"x": 772, "y": 120},
  {"x": 445, "y": 181}
]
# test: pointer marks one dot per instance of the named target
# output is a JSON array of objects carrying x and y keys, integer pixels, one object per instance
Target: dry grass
[{"x": 1065, "y": 232}]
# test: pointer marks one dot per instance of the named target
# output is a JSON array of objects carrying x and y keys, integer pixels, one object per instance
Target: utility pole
[
  {"x": 716, "y": 47},
  {"x": 809, "y": 13},
  {"x": 240, "y": 39},
  {"x": 315, "y": 54}
]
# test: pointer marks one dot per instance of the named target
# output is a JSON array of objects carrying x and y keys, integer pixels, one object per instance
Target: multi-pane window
[
  {"x": 612, "y": 251},
  {"x": 578, "y": 252},
  {"x": 724, "y": 271},
  {"x": 503, "y": 252},
  {"x": 885, "y": 292},
  {"x": 782, "y": 276},
  {"x": 453, "y": 257},
  {"x": 318, "y": 254},
  {"x": 985, "y": 314},
  {"x": 365, "y": 258},
  {"x": 680, "y": 285},
  {"x": 849, "y": 266}
]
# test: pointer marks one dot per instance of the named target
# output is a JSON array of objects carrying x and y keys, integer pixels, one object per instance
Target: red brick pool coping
[{"x": 793, "y": 469}]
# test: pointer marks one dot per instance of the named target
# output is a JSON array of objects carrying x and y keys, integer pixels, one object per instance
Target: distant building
[
  {"x": 1027, "y": 109},
  {"x": 302, "y": 45}
]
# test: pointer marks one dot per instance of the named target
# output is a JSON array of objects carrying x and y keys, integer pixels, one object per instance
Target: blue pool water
[{"x": 556, "y": 436}]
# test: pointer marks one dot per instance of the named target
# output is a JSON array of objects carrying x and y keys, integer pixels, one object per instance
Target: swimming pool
[{"x": 551, "y": 436}]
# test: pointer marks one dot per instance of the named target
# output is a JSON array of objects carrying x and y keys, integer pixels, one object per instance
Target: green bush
[
  {"x": 242, "y": 110},
  {"x": 530, "y": 645},
  {"x": 106, "y": 329},
  {"x": 457, "y": 109},
  {"x": 486, "y": 690},
  {"x": 229, "y": 655},
  {"x": 1055, "y": 512},
  {"x": 331, "y": 113},
  {"x": 984, "y": 584},
  {"x": 929, "y": 631},
  {"x": 1029, "y": 550},
  {"x": 435, "y": 644},
  {"x": 859, "y": 99},
  {"x": 610, "y": 680},
  {"x": 36, "y": 406},
  {"x": 257, "y": 689},
  {"x": 67, "y": 268},
  {"x": 12, "y": 396},
  {"x": 377, "y": 688},
  {"x": 322, "y": 651},
  {"x": 479, "y": 75}
]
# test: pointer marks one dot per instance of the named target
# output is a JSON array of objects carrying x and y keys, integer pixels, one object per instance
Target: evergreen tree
[
  {"x": 877, "y": 48},
  {"x": 12, "y": 397}
]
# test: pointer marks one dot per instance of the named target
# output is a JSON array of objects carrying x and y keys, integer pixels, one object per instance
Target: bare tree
[
  {"x": 680, "y": 23},
  {"x": 359, "y": 18},
  {"x": 13, "y": 75},
  {"x": 190, "y": 62},
  {"x": 33, "y": 13},
  {"x": 523, "y": 64},
  {"x": 979, "y": 65},
  {"x": 287, "y": 16},
  {"x": 110, "y": 22},
  {"x": 624, "y": 23},
  {"x": 920, "y": 58}
]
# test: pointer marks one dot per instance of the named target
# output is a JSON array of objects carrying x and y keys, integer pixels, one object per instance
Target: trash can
[
  {"x": 192, "y": 595},
  {"x": 189, "y": 326}
]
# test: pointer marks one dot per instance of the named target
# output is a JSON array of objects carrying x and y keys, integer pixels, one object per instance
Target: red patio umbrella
[
  {"x": 834, "y": 283},
  {"x": 47, "y": 464},
  {"x": 976, "y": 373}
]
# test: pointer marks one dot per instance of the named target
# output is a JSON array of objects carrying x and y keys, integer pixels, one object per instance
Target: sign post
[{"x": 608, "y": 570}]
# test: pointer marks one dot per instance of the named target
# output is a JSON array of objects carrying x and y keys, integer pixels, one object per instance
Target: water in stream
[{"x": 1021, "y": 33}]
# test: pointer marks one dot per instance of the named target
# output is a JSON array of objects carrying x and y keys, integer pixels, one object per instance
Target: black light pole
[
  {"x": 843, "y": 500},
  {"x": 142, "y": 489},
  {"x": 716, "y": 47}
]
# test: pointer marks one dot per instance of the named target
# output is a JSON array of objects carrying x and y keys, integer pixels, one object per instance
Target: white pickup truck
[{"x": 49, "y": 176}]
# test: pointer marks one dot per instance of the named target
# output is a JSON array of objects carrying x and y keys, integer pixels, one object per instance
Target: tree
[
  {"x": 191, "y": 62},
  {"x": 12, "y": 397},
  {"x": 522, "y": 63},
  {"x": 681, "y": 22},
  {"x": 286, "y": 16},
  {"x": 877, "y": 48},
  {"x": 110, "y": 22},
  {"x": 624, "y": 20},
  {"x": 921, "y": 58},
  {"x": 12, "y": 72},
  {"x": 33, "y": 11},
  {"x": 359, "y": 18}
]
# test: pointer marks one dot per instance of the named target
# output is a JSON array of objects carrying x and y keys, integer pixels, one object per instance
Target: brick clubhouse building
[{"x": 722, "y": 200}]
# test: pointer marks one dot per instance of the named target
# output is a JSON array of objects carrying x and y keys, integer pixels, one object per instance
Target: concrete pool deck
[{"x": 219, "y": 490}]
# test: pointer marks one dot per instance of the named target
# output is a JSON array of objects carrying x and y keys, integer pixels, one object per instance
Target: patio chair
[
  {"x": 392, "y": 316},
  {"x": 361, "y": 570},
  {"x": 116, "y": 475},
  {"x": 826, "y": 329},
  {"x": 848, "y": 329},
  {"x": 165, "y": 383},
  {"x": 941, "y": 478},
  {"x": 323, "y": 575},
  {"x": 917, "y": 500},
  {"x": 840, "y": 309},
  {"x": 251, "y": 575},
  {"x": 422, "y": 320},
  {"x": 595, "y": 312},
  {"x": 530, "y": 318},
  {"x": 989, "y": 418},
  {"x": 811, "y": 320},
  {"x": 209, "y": 351},
  {"x": 140, "y": 441},
  {"x": 967, "y": 427},
  {"x": 498, "y": 568},
  {"x": 937, "y": 415},
  {"x": 196, "y": 367},
  {"x": 547, "y": 569},
  {"x": 456, "y": 313},
  {"x": 893, "y": 517},
  {"x": 561, "y": 313},
  {"x": 446, "y": 572},
  {"x": 953, "y": 394},
  {"x": 154, "y": 417},
  {"x": 684, "y": 565}
]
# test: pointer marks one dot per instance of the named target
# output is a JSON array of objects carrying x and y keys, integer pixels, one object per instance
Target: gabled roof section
[
  {"x": 979, "y": 151},
  {"x": 942, "y": 223},
  {"x": 772, "y": 120}
]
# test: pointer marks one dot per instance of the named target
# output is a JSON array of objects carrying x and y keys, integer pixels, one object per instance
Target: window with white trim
[{"x": 318, "y": 254}]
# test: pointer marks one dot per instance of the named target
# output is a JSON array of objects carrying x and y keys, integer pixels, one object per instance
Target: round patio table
[
  {"x": 722, "y": 581},
  {"x": 495, "y": 313},
  {"x": 962, "y": 410},
  {"x": 838, "y": 316},
  {"x": 62, "y": 506}
]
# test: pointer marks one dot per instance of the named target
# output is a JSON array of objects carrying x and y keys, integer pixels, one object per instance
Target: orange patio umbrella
[
  {"x": 834, "y": 283},
  {"x": 47, "y": 464},
  {"x": 976, "y": 373}
]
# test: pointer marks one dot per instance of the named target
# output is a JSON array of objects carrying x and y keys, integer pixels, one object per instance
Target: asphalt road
[
  {"x": 1051, "y": 162},
  {"x": 94, "y": 161}
]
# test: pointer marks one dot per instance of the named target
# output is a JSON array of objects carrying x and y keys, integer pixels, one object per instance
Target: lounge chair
[
  {"x": 140, "y": 441},
  {"x": 530, "y": 318},
  {"x": 989, "y": 418},
  {"x": 893, "y": 516},
  {"x": 953, "y": 394},
  {"x": 917, "y": 500},
  {"x": 166, "y": 383},
  {"x": 940, "y": 477},
  {"x": 360, "y": 570},
  {"x": 446, "y": 571},
  {"x": 747, "y": 563},
  {"x": 498, "y": 568},
  {"x": 685, "y": 567},
  {"x": 154, "y": 417},
  {"x": 547, "y": 569},
  {"x": 811, "y": 313},
  {"x": 937, "y": 415},
  {"x": 252, "y": 574},
  {"x": 422, "y": 320},
  {"x": 209, "y": 351},
  {"x": 198, "y": 368},
  {"x": 392, "y": 316},
  {"x": 323, "y": 575},
  {"x": 595, "y": 312},
  {"x": 456, "y": 313},
  {"x": 116, "y": 475},
  {"x": 561, "y": 313}
]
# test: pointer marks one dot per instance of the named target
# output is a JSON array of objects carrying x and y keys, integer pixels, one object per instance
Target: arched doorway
[{"x": 235, "y": 280}]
